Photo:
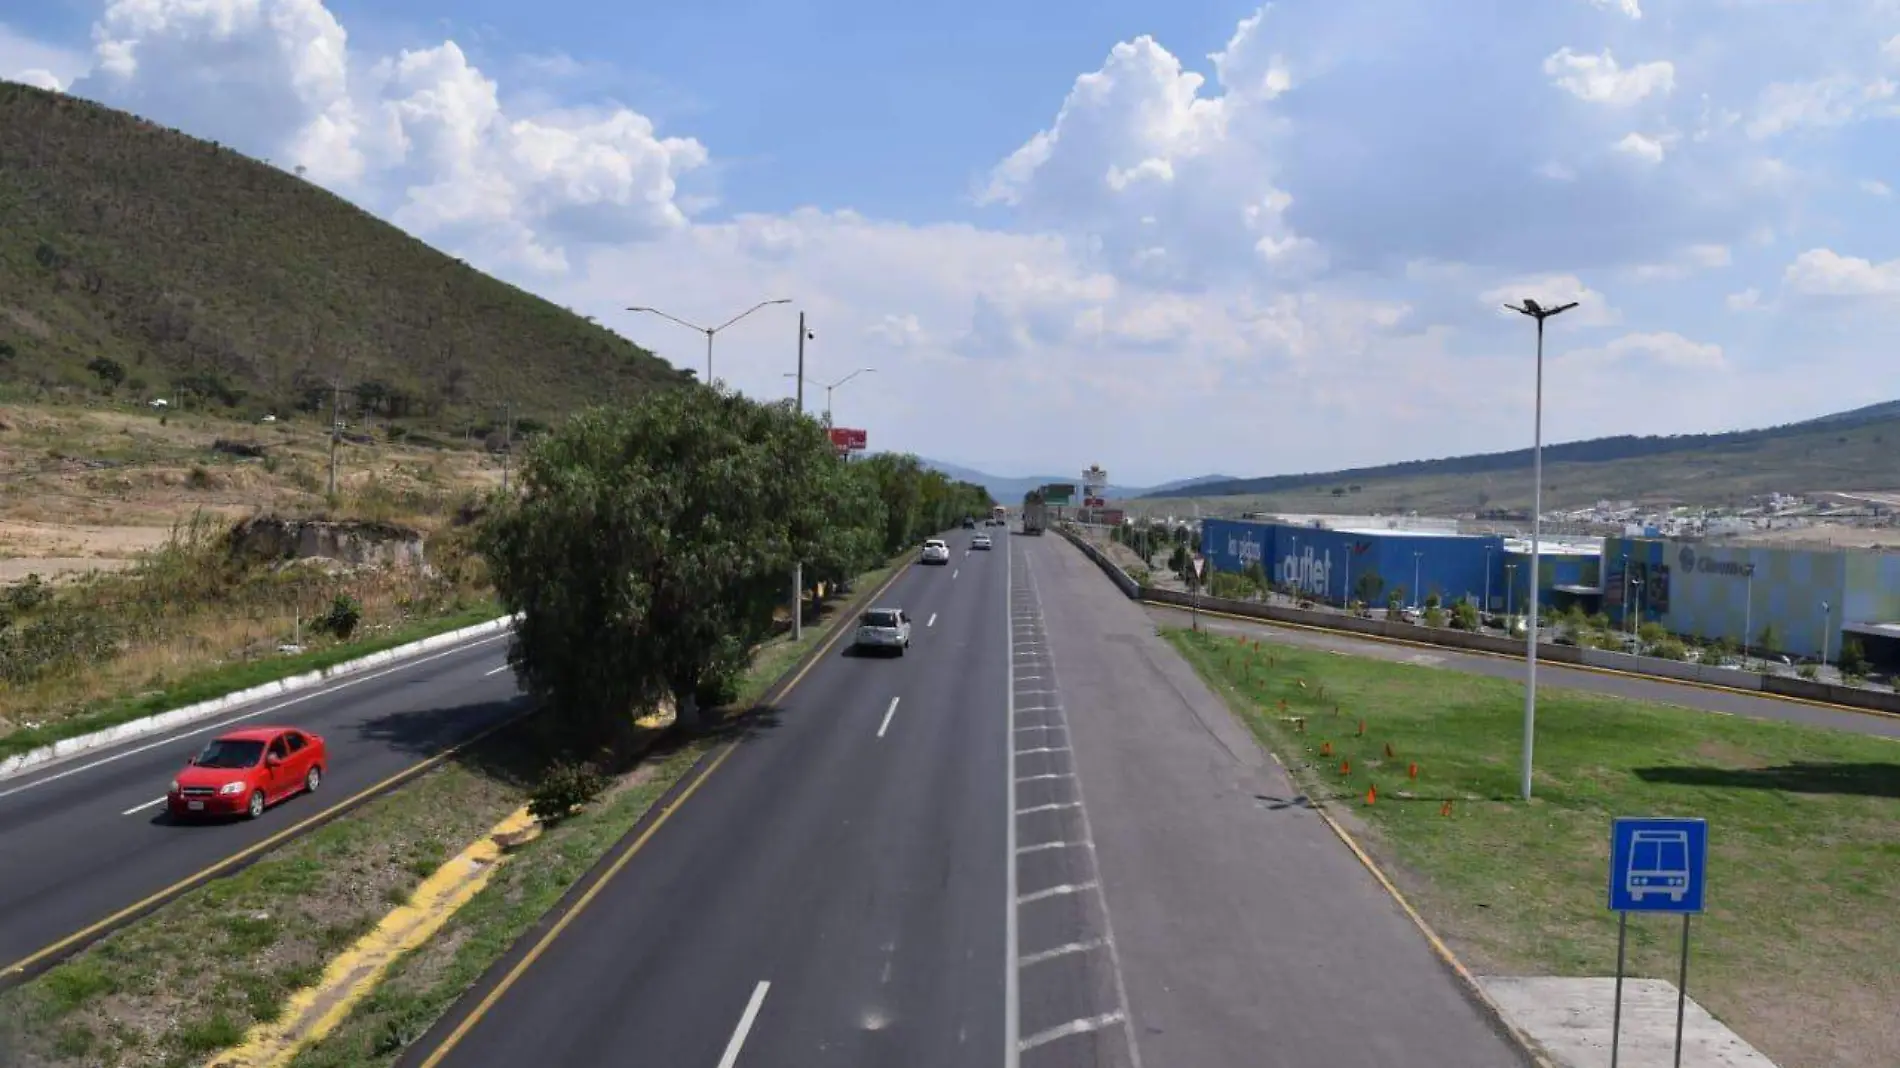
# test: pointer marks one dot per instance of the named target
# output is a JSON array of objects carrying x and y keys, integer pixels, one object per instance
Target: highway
[
  {"x": 1636, "y": 687},
  {"x": 1036, "y": 841},
  {"x": 85, "y": 838}
]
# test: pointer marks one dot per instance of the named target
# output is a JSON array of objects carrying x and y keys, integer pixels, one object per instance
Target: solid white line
[
  {"x": 299, "y": 699},
  {"x": 1048, "y": 808},
  {"x": 1059, "y": 951},
  {"x": 1055, "y": 891},
  {"x": 1051, "y": 775},
  {"x": 933, "y": 620},
  {"x": 1012, "y": 1007},
  {"x": 498, "y": 670},
  {"x": 745, "y": 1025},
  {"x": 141, "y": 808},
  {"x": 888, "y": 713},
  {"x": 1073, "y": 1027},
  {"x": 1040, "y": 846}
]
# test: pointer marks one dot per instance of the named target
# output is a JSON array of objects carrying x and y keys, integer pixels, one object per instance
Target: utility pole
[
  {"x": 798, "y": 569},
  {"x": 507, "y": 441},
  {"x": 336, "y": 430}
]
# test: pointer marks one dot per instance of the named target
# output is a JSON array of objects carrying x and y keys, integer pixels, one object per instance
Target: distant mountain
[
  {"x": 1010, "y": 490},
  {"x": 1185, "y": 483},
  {"x": 1843, "y": 451}
]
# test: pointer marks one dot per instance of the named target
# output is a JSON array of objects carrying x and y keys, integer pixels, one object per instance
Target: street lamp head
[{"x": 1538, "y": 311}]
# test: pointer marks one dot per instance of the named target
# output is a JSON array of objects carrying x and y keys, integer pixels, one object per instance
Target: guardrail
[{"x": 1878, "y": 701}]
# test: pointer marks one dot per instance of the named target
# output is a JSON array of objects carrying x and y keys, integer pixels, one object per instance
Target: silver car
[
  {"x": 981, "y": 541},
  {"x": 883, "y": 629}
]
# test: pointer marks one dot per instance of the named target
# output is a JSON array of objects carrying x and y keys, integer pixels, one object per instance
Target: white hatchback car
[
  {"x": 884, "y": 629},
  {"x": 981, "y": 541},
  {"x": 936, "y": 551}
]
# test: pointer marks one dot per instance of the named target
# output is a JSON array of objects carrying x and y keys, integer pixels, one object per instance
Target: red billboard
[
  {"x": 1094, "y": 502},
  {"x": 846, "y": 439}
]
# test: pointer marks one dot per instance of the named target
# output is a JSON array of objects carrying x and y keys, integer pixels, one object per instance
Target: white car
[
  {"x": 981, "y": 541},
  {"x": 936, "y": 551},
  {"x": 884, "y": 629}
]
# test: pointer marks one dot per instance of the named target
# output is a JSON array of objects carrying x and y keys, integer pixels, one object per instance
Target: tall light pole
[
  {"x": 798, "y": 569},
  {"x": 1417, "y": 559},
  {"x": 1827, "y": 619},
  {"x": 1748, "y": 615},
  {"x": 1487, "y": 586},
  {"x": 709, "y": 331},
  {"x": 829, "y": 386},
  {"x": 1540, "y": 313}
]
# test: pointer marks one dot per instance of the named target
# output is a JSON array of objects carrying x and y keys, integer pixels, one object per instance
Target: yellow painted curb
[{"x": 316, "y": 1011}]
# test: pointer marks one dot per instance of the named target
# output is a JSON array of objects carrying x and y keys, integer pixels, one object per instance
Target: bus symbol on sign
[{"x": 1658, "y": 865}]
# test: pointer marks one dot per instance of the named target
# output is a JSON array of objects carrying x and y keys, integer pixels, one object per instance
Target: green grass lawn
[{"x": 1799, "y": 948}]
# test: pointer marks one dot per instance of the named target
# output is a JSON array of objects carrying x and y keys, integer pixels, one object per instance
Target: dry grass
[{"x": 128, "y": 511}]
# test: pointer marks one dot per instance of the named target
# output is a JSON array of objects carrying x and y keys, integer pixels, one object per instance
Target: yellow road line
[
  {"x": 1529, "y": 1045},
  {"x": 315, "y": 1011},
  {"x": 514, "y": 974},
  {"x": 1592, "y": 668},
  {"x": 101, "y": 927}
]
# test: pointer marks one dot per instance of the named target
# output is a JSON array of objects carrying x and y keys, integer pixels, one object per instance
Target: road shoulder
[{"x": 1243, "y": 922}]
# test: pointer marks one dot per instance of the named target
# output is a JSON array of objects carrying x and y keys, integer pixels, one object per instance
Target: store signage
[
  {"x": 1691, "y": 561},
  {"x": 1307, "y": 571}
]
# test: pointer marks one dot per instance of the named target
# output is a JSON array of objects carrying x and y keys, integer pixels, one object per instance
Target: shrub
[
  {"x": 719, "y": 685},
  {"x": 1141, "y": 575},
  {"x": 1808, "y": 672},
  {"x": 341, "y": 618},
  {"x": 1434, "y": 616},
  {"x": 198, "y": 478},
  {"x": 1853, "y": 659},
  {"x": 565, "y": 787},
  {"x": 1432, "y": 601},
  {"x": 1464, "y": 616},
  {"x": 1651, "y": 633},
  {"x": 1669, "y": 649}
]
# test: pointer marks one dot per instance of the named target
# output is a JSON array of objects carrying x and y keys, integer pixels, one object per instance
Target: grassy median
[{"x": 1797, "y": 949}]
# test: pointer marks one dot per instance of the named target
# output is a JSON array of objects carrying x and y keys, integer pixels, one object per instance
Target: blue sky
[{"x": 1169, "y": 239}]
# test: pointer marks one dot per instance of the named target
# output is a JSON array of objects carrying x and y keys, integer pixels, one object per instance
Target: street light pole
[
  {"x": 829, "y": 386},
  {"x": 1536, "y": 311},
  {"x": 709, "y": 331},
  {"x": 1417, "y": 558}
]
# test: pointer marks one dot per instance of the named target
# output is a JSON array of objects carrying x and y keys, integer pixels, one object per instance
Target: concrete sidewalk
[
  {"x": 1571, "y": 1019},
  {"x": 1247, "y": 932}
]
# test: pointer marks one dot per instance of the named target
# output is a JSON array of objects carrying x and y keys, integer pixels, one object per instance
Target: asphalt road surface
[
  {"x": 832, "y": 895},
  {"x": 909, "y": 863},
  {"x": 85, "y": 838},
  {"x": 1725, "y": 702}
]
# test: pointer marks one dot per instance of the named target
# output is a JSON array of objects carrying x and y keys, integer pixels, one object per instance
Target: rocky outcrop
[{"x": 350, "y": 541}]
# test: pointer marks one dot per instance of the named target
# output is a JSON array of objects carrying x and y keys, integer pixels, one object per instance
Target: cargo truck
[{"x": 1035, "y": 513}]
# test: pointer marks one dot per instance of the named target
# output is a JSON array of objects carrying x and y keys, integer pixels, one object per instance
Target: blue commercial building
[{"x": 1337, "y": 566}]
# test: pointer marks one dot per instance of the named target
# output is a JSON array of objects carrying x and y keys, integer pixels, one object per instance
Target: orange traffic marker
[
  {"x": 1413, "y": 770},
  {"x": 1445, "y": 809},
  {"x": 1325, "y": 749},
  {"x": 1372, "y": 795},
  {"x": 1345, "y": 767}
]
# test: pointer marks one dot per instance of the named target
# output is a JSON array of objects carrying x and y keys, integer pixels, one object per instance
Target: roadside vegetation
[
  {"x": 1804, "y": 831},
  {"x": 655, "y": 541}
]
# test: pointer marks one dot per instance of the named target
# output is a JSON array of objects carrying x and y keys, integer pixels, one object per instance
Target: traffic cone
[
  {"x": 1372, "y": 795},
  {"x": 1345, "y": 767},
  {"x": 1413, "y": 770},
  {"x": 1445, "y": 809},
  {"x": 1325, "y": 749}
]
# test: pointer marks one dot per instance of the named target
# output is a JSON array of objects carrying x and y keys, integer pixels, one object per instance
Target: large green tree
[{"x": 650, "y": 546}]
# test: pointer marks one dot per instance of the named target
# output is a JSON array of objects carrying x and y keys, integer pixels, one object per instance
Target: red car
[{"x": 246, "y": 770}]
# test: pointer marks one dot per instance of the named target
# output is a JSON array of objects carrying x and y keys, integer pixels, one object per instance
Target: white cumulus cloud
[{"x": 1599, "y": 79}]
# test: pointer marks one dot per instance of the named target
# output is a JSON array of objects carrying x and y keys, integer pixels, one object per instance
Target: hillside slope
[
  {"x": 192, "y": 267},
  {"x": 1851, "y": 450}
]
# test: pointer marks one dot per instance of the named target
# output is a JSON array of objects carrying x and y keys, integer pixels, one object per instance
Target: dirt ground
[
  {"x": 1823, "y": 536},
  {"x": 84, "y": 489}
]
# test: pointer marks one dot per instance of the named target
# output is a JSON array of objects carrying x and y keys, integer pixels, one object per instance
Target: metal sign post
[
  {"x": 1656, "y": 865},
  {"x": 1200, "y": 562}
]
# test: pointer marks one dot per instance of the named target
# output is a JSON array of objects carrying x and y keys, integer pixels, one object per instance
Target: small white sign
[{"x": 1199, "y": 562}]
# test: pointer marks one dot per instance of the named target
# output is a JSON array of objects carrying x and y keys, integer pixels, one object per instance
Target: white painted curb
[{"x": 163, "y": 721}]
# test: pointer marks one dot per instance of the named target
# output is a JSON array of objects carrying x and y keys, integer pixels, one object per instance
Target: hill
[
  {"x": 1847, "y": 451},
  {"x": 1009, "y": 489},
  {"x": 136, "y": 259}
]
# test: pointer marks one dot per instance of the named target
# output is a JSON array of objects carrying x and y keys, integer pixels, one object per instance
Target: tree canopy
[{"x": 650, "y": 545}]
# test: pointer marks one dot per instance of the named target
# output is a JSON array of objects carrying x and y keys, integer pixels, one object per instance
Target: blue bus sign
[{"x": 1658, "y": 865}]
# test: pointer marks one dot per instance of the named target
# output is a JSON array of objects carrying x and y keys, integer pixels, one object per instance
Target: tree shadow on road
[{"x": 1863, "y": 779}]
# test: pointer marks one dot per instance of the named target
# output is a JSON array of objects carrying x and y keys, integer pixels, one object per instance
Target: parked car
[
  {"x": 245, "y": 771},
  {"x": 883, "y": 629},
  {"x": 936, "y": 551}
]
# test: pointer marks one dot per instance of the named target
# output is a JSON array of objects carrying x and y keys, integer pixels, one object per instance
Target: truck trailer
[{"x": 1035, "y": 513}]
